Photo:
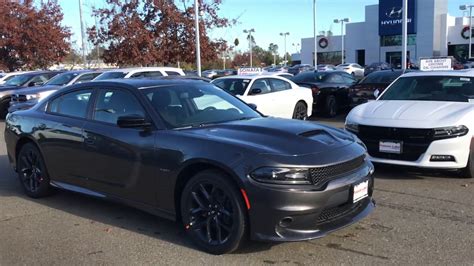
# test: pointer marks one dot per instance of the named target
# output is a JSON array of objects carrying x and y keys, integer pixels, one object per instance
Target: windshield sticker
[{"x": 465, "y": 79}]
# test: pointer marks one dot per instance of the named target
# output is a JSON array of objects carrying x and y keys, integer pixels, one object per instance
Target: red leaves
[
  {"x": 154, "y": 32},
  {"x": 32, "y": 37}
]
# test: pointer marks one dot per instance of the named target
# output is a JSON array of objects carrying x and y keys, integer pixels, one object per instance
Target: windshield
[
  {"x": 62, "y": 79},
  {"x": 196, "y": 105},
  {"x": 233, "y": 86},
  {"x": 310, "y": 76},
  {"x": 111, "y": 75},
  {"x": 381, "y": 77},
  {"x": 18, "y": 80},
  {"x": 431, "y": 88}
]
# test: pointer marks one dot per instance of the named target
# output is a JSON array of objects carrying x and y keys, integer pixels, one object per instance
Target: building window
[
  {"x": 331, "y": 58},
  {"x": 396, "y": 40}
]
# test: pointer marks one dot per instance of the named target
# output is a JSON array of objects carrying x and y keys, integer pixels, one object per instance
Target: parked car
[
  {"x": 354, "y": 69},
  {"x": 296, "y": 69},
  {"x": 273, "y": 95},
  {"x": 373, "y": 85},
  {"x": 423, "y": 119},
  {"x": 376, "y": 67},
  {"x": 28, "y": 97},
  {"x": 225, "y": 73},
  {"x": 4, "y": 77},
  {"x": 209, "y": 73},
  {"x": 188, "y": 151},
  {"x": 140, "y": 72},
  {"x": 282, "y": 74},
  {"x": 323, "y": 67},
  {"x": 330, "y": 89},
  {"x": 31, "y": 79}
]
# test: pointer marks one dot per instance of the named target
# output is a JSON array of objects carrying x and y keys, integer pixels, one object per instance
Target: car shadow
[
  {"x": 384, "y": 171},
  {"x": 109, "y": 215}
]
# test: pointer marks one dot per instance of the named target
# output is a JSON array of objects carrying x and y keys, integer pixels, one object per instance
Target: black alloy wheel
[
  {"x": 32, "y": 172},
  {"x": 213, "y": 212},
  {"x": 301, "y": 111},
  {"x": 331, "y": 106}
]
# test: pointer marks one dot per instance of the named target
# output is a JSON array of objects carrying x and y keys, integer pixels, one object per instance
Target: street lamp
[
  {"x": 314, "y": 36},
  {"x": 249, "y": 37},
  {"x": 465, "y": 7},
  {"x": 342, "y": 21},
  {"x": 297, "y": 46},
  {"x": 198, "y": 42},
  {"x": 284, "y": 34}
]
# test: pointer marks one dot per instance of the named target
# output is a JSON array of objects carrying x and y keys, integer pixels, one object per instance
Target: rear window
[
  {"x": 310, "y": 77},
  {"x": 172, "y": 73},
  {"x": 112, "y": 75},
  {"x": 381, "y": 77}
]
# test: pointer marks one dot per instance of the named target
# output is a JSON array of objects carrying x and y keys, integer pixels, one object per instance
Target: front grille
[
  {"x": 415, "y": 141},
  {"x": 18, "y": 98},
  {"x": 335, "y": 213},
  {"x": 321, "y": 175}
]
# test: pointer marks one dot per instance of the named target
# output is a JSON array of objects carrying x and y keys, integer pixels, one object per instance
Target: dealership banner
[{"x": 391, "y": 14}]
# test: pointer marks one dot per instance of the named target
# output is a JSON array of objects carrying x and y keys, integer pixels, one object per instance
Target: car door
[
  {"x": 283, "y": 97},
  {"x": 62, "y": 136},
  {"x": 264, "y": 98},
  {"x": 118, "y": 158}
]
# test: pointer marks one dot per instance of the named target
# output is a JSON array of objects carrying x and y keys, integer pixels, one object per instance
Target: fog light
[
  {"x": 442, "y": 158},
  {"x": 285, "y": 222}
]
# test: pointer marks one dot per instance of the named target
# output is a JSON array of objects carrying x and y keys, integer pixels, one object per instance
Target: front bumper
[{"x": 295, "y": 214}]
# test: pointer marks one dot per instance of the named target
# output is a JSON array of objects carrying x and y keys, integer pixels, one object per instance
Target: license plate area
[
  {"x": 360, "y": 191},
  {"x": 391, "y": 146}
]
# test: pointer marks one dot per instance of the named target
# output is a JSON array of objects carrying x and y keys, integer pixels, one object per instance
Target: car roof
[
  {"x": 455, "y": 73},
  {"x": 136, "y": 69},
  {"x": 250, "y": 76},
  {"x": 147, "y": 83}
]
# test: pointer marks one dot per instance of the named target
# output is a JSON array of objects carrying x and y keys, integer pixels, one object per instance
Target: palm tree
[{"x": 273, "y": 48}]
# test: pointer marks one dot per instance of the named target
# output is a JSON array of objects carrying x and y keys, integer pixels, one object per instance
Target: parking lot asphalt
[{"x": 421, "y": 218}]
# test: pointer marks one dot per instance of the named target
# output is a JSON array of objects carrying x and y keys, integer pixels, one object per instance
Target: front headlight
[
  {"x": 449, "y": 132},
  {"x": 351, "y": 127},
  {"x": 282, "y": 175},
  {"x": 30, "y": 97}
]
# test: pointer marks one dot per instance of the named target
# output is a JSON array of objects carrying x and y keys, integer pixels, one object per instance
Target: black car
[
  {"x": 330, "y": 89},
  {"x": 373, "y": 85},
  {"x": 296, "y": 69},
  {"x": 30, "y": 79},
  {"x": 188, "y": 151},
  {"x": 376, "y": 67}
]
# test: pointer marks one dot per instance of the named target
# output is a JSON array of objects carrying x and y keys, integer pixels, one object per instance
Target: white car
[
  {"x": 273, "y": 95},
  {"x": 423, "y": 119},
  {"x": 4, "y": 77},
  {"x": 140, "y": 72},
  {"x": 354, "y": 69}
]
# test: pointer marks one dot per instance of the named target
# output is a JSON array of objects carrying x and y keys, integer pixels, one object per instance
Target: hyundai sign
[{"x": 391, "y": 16}]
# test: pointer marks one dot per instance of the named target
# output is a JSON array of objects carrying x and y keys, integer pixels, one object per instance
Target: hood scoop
[
  {"x": 321, "y": 136},
  {"x": 313, "y": 133}
]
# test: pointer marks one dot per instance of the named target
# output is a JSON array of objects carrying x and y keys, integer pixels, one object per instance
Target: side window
[
  {"x": 263, "y": 85},
  {"x": 40, "y": 79},
  {"x": 334, "y": 78},
  {"x": 72, "y": 104},
  {"x": 112, "y": 104},
  {"x": 138, "y": 75},
  {"x": 153, "y": 74},
  {"x": 348, "y": 79},
  {"x": 172, "y": 73},
  {"x": 86, "y": 77},
  {"x": 279, "y": 85}
]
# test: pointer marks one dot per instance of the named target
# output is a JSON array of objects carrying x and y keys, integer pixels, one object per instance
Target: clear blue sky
[{"x": 267, "y": 17}]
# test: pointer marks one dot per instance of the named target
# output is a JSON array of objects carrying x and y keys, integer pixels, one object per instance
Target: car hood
[
  {"x": 35, "y": 90},
  {"x": 277, "y": 136},
  {"x": 418, "y": 114}
]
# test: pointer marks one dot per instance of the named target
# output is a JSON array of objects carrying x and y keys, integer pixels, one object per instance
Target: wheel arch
[{"x": 22, "y": 141}]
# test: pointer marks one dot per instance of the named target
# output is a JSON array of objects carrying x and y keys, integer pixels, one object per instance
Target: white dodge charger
[
  {"x": 423, "y": 119},
  {"x": 273, "y": 95}
]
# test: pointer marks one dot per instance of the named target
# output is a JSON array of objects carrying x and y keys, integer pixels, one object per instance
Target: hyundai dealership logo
[{"x": 395, "y": 12}]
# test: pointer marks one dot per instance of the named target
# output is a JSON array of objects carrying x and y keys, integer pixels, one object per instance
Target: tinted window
[
  {"x": 112, "y": 75},
  {"x": 279, "y": 85},
  {"x": 233, "y": 86},
  {"x": 62, "y": 79},
  {"x": 348, "y": 78},
  {"x": 40, "y": 79},
  {"x": 310, "y": 77},
  {"x": 112, "y": 104},
  {"x": 149, "y": 74},
  {"x": 19, "y": 80},
  {"x": 263, "y": 85},
  {"x": 72, "y": 104},
  {"x": 172, "y": 73},
  {"x": 431, "y": 88},
  {"x": 197, "y": 105},
  {"x": 86, "y": 77},
  {"x": 335, "y": 78},
  {"x": 381, "y": 77}
]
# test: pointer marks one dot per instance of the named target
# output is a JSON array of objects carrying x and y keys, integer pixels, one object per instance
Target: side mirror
[
  {"x": 253, "y": 106},
  {"x": 133, "y": 122},
  {"x": 256, "y": 91},
  {"x": 376, "y": 93}
]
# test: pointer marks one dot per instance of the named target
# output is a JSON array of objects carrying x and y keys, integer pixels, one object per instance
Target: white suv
[
  {"x": 140, "y": 72},
  {"x": 354, "y": 69},
  {"x": 423, "y": 119}
]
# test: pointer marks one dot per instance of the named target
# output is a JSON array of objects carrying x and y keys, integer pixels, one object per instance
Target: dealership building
[{"x": 431, "y": 32}]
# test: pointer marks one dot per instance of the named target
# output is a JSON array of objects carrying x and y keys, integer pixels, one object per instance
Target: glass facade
[
  {"x": 396, "y": 40},
  {"x": 332, "y": 58}
]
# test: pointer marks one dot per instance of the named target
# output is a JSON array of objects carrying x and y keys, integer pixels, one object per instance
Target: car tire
[
  {"x": 32, "y": 172},
  {"x": 213, "y": 212},
  {"x": 331, "y": 106},
  {"x": 4, "y": 108},
  {"x": 301, "y": 111},
  {"x": 468, "y": 172}
]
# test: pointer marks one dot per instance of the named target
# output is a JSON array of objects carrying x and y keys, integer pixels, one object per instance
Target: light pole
[
  {"x": 314, "y": 36},
  {"x": 198, "y": 42},
  {"x": 404, "y": 33},
  {"x": 284, "y": 34},
  {"x": 465, "y": 7},
  {"x": 342, "y": 21},
  {"x": 297, "y": 46},
  {"x": 82, "y": 35},
  {"x": 249, "y": 37}
]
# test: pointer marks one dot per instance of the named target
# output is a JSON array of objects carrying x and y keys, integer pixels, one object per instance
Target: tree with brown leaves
[
  {"x": 32, "y": 37},
  {"x": 156, "y": 32}
]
